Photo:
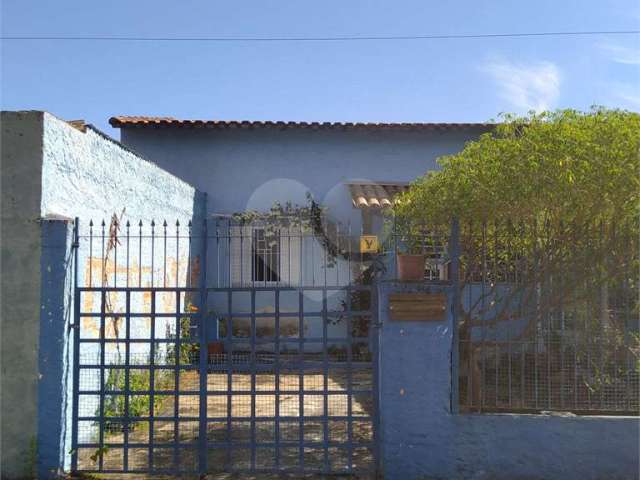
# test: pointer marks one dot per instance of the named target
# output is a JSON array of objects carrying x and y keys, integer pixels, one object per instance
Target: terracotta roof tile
[
  {"x": 163, "y": 122},
  {"x": 375, "y": 194}
]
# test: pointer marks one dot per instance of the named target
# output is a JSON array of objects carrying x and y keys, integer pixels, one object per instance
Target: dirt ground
[{"x": 241, "y": 426}]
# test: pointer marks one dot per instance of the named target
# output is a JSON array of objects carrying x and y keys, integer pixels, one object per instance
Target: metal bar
[
  {"x": 102, "y": 366},
  {"x": 204, "y": 354},
  {"x": 176, "y": 370},
  {"x": 164, "y": 255},
  {"x": 228, "y": 348},
  {"x": 127, "y": 379},
  {"x": 90, "y": 253},
  {"x": 495, "y": 279},
  {"x": 349, "y": 317},
  {"x": 376, "y": 419},
  {"x": 509, "y": 279},
  {"x": 536, "y": 266},
  {"x": 223, "y": 444},
  {"x": 483, "y": 375},
  {"x": 225, "y": 289},
  {"x": 523, "y": 345},
  {"x": 547, "y": 286},
  {"x": 325, "y": 380},
  {"x": 454, "y": 249},
  {"x": 628, "y": 292},
  {"x": 284, "y": 418},
  {"x": 469, "y": 276},
  {"x": 103, "y": 259},
  {"x": 277, "y": 374},
  {"x": 114, "y": 241},
  {"x": 253, "y": 380},
  {"x": 139, "y": 254},
  {"x": 301, "y": 378},
  {"x": 76, "y": 346},
  {"x": 152, "y": 356}
]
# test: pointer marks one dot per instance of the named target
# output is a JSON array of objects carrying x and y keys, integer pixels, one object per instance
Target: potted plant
[{"x": 410, "y": 255}]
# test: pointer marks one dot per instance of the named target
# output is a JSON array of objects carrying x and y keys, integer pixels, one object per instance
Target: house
[
  {"x": 352, "y": 170},
  {"x": 124, "y": 262}
]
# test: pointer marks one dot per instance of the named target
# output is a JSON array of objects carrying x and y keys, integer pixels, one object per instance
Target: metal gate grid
[{"x": 286, "y": 388}]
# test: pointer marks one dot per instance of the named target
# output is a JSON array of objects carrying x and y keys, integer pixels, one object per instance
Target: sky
[{"x": 443, "y": 80}]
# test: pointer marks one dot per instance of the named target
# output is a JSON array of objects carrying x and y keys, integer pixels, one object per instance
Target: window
[{"x": 265, "y": 253}]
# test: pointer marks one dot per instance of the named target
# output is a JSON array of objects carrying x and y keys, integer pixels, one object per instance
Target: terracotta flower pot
[
  {"x": 410, "y": 267},
  {"x": 215, "y": 348}
]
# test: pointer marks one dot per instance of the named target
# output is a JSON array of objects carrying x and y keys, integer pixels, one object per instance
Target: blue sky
[{"x": 422, "y": 80}]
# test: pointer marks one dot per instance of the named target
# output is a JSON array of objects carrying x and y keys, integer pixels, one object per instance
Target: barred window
[
  {"x": 263, "y": 255},
  {"x": 265, "y": 252}
]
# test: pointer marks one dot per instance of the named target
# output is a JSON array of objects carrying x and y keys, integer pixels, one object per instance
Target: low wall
[{"x": 423, "y": 439}]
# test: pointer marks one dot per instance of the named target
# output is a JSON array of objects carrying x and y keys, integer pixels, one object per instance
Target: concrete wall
[
  {"x": 52, "y": 170},
  {"x": 422, "y": 438},
  {"x": 21, "y": 167}
]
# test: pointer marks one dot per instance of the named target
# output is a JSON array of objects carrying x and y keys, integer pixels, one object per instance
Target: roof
[
  {"x": 375, "y": 194},
  {"x": 164, "y": 122}
]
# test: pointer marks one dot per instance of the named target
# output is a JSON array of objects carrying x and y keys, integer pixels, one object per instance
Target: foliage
[
  {"x": 565, "y": 166},
  {"x": 551, "y": 195},
  {"x": 299, "y": 219},
  {"x": 548, "y": 204},
  {"x": 189, "y": 351},
  {"x": 114, "y": 405}
]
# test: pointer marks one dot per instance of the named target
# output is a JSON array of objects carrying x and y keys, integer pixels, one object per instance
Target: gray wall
[
  {"x": 21, "y": 167},
  {"x": 422, "y": 438},
  {"x": 52, "y": 170}
]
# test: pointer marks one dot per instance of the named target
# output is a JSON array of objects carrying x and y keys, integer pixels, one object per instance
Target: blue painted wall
[
  {"x": 55, "y": 317},
  {"x": 251, "y": 168},
  {"x": 423, "y": 438}
]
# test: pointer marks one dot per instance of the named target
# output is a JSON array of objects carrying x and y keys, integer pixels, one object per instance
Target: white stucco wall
[{"x": 89, "y": 175}]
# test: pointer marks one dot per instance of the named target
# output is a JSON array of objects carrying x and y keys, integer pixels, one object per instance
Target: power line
[{"x": 347, "y": 38}]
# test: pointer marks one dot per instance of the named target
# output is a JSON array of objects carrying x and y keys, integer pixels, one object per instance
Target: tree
[
  {"x": 564, "y": 165},
  {"x": 549, "y": 206}
]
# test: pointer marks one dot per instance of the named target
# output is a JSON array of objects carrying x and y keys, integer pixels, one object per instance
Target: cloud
[
  {"x": 533, "y": 86},
  {"x": 620, "y": 54}
]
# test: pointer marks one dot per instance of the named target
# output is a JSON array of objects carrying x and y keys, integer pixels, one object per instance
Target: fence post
[
  {"x": 76, "y": 347},
  {"x": 58, "y": 270},
  {"x": 203, "y": 357},
  {"x": 454, "y": 249}
]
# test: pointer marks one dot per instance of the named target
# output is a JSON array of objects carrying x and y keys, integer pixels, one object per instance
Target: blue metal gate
[{"x": 187, "y": 367}]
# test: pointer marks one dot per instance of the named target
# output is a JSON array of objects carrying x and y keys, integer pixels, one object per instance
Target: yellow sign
[{"x": 368, "y": 244}]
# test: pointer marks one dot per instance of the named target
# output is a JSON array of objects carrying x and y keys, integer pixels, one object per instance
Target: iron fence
[
  {"x": 549, "y": 318},
  {"x": 226, "y": 346}
]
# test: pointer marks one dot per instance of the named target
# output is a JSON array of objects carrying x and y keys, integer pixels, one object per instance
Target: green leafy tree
[
  {"x": 565, "y": 166},
  {"x": 548, "y": 204}
]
